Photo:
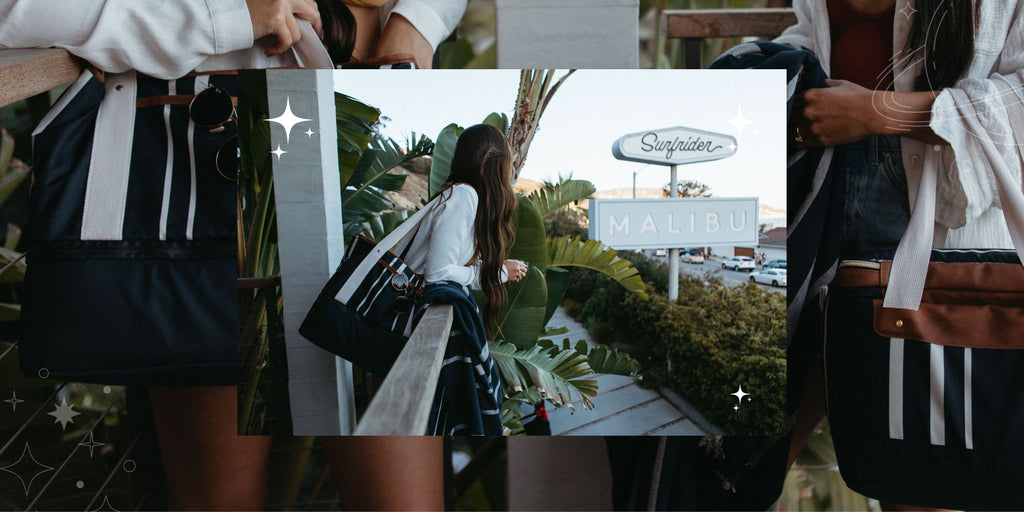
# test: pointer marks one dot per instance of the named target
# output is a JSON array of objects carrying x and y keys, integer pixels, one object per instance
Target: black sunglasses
[{"x": 213, "y": 108}]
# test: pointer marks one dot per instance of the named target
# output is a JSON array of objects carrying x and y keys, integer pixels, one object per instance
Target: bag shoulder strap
[
  {"x": 910, "y": 263},
  {"x": 389, "y": 241}
]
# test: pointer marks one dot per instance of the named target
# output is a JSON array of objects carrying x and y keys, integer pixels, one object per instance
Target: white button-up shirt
[{"x": 967, "y": 200}]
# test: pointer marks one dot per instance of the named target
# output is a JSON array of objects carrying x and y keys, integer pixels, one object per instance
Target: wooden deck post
[{"x": 311, "y": 241}]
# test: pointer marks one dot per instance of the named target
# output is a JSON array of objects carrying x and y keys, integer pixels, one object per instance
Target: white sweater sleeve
[
  {"x": 156, "y": 37},
  {"x": 803, "y": 34},
  {"x": 966, "y": 186},
  {"x": 434, "y": 19},
  {"x": 451, "y": 239}
]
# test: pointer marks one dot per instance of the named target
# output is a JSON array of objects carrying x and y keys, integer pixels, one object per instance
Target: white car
[
  {"x": 772, "y": 276},
  {"x": 739, "y": 263}
]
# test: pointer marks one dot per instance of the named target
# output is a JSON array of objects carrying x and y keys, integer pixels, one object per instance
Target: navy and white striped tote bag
[
  {"x": 924, "y": 355},
  {"x": 132, "y": 264},
  {"x": 367, "y": 310}
]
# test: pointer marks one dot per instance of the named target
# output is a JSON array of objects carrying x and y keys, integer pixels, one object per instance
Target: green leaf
[
  {"x": 487, "y": 59},
  {"x": 522, "y": 316},
  {"x": 9, "y": 312},
  {"x": 531, "y": 240},
  {"x": 554, "y": 196},
  {"x": 497, "y": 120},
  {"x": 572, "y": 252},
  {"x": 455, "y": 55},
  {"x": 556, "y": 374},
  {"x": 441, "y": 162},
  {"x": 558, "y": 282},
  {"x": 610, "y": 361}
]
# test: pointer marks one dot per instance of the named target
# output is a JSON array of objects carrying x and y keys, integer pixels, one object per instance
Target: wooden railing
[
  {"x": 695, "y": 25},
  {"x": 28, "y": 72},
  {"x": 401, "y": 406}
]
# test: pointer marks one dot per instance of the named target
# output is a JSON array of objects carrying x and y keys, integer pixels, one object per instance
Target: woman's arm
[
  {"x": 159, "y": 38},
  {"x": 845, "y": 112},
  {"x": 452, "y": 238},
  {"x": 420, "y": 25}
]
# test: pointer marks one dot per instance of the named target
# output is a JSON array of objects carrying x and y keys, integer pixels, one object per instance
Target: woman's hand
[
  {"x": 515, "y": 269},
  {"x": 277, "y": 18},
  {"x": 845, "y": 112},
  {"x": 841, "y": 113},
  {"x": 400, "y": 36}
]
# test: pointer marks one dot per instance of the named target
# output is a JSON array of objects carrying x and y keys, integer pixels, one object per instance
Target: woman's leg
[
  {"x": 388, "y": 473},
  {"x": 209, "y": 466}
]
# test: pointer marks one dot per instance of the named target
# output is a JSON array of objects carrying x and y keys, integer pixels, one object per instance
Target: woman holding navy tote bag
[{"x": 132, "y": 261}]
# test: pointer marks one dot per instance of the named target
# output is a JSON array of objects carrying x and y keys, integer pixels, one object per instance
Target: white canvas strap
[
  {"x": 361, "y": 271},
  {"x": 910, "y": 263},
  {"x": 106, "y": 189},
  {"x": 309, "y": 49}
]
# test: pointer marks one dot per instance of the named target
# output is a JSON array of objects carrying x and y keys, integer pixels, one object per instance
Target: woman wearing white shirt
[{"x": 905, "y": 68}]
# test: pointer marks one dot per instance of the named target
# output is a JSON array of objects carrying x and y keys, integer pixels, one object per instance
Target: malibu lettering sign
[
  {"x": 674, "y": 146},
  {"x": 659, "y": 223}
]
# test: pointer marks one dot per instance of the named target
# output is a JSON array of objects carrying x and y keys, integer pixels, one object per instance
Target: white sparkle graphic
[
  {"x": 32, "y": 467},
  {"x": 739, "y": 121},
  {"x": 278, "y": 152},
  {"x": 309, "y": 132},
  {"x": 908, "y": 11},
  {"x": 14, "y": 401},
  {"x": 732, "y": 147},
  {"x": 739, "y": 394},
  {"x": 64, "y": 414},
  {"x": 91, "y": 444},
  {"x": 287, "y": 120}
]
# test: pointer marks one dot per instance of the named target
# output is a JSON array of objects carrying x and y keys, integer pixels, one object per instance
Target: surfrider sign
[
  {"x": 658, "y": 223},
  {"x": 674, "y": 146}
]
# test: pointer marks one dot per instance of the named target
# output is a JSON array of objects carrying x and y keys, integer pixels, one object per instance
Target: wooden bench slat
[
  {"x": 704, "y": 23},
  {"x": 25, "y": 72},
  {"x": 402, "y": 405}
]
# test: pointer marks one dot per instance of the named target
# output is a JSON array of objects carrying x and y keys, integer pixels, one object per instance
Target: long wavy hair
[
  {"x": 943, "y": 30},
  {"x": 483, "y": 159},
  {"x": 339, "y": 29}
]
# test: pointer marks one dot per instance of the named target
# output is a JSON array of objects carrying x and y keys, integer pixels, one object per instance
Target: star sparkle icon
[
  {"x": 287, "y": 120},
  {"x": 740, "y": 121},
  {"x": 30, "y": 469},
  {"x": 740, "y": 395},
  {"x": 309, "y": 132},
  {"x": 278, "y": 152},
  {"x": 91, "y": 444},
  {"x": 908, "y": 11},
  {"x": 14, "y": 401},
  {"x": 63, "y": 413}
]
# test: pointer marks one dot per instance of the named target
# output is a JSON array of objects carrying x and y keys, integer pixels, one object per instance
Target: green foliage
[
  {"x": 521, "y": 318},
  {"x": 688, "y": 188},
  {"x": 441, "y": 161},
  {"x": 554, "y": 372},
  {"x": 531, "y": 242},
  {"x": 593, "y": 255},
  {"x": 555, "y": 196}
]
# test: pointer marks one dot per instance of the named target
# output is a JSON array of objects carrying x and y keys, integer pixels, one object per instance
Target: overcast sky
[{"x": 594, "y": 108}]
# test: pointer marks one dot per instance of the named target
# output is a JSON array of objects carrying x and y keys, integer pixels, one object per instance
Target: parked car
[
  {"x": 781, "y": 263},
  {"x": 772, "y": 276},
  {"x": 740, "y": 263},
  {"x": 693, "y": 256}
]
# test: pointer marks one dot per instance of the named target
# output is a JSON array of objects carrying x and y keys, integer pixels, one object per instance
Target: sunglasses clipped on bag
[
  {"x": 402, "y": 303},
  {"x": 213, "y": 108}
]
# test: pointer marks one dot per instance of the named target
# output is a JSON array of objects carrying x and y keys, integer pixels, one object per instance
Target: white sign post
[{"x": 671, "y": 146}]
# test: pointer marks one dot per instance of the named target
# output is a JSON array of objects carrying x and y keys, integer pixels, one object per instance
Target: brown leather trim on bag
[
  {"x": 954, "y": 325},
  {"x": 171, "y": 99},
  {"x": 995, "y": 277},
  {"x": 854, "y": 277}
]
